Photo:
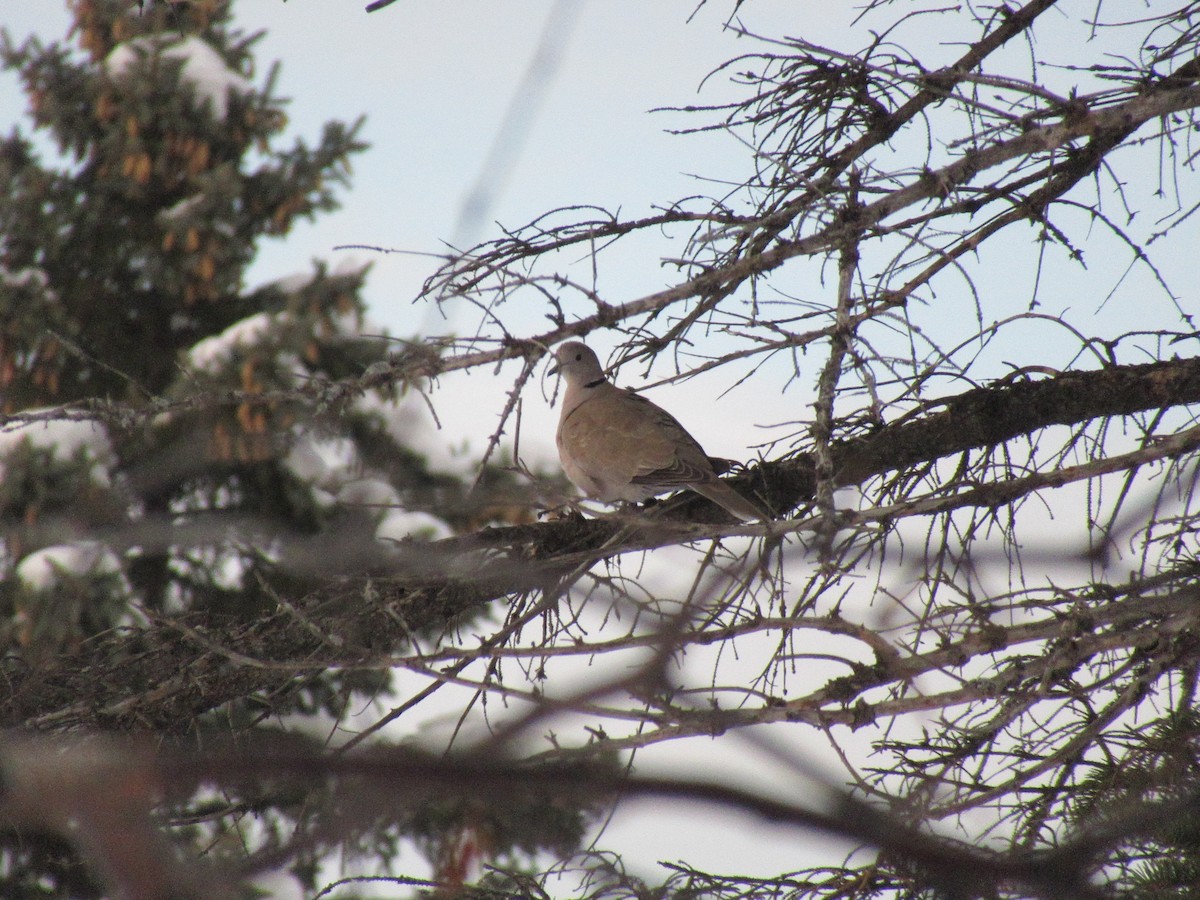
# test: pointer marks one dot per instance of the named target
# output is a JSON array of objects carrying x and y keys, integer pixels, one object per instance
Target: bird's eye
[{"x": 578, "y": 357}]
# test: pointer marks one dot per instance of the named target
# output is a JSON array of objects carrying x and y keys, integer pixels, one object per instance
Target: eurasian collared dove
[{"x": 617, "y": 445}]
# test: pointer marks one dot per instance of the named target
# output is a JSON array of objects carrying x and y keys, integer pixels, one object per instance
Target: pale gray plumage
[{"x": 617, "y": 445}]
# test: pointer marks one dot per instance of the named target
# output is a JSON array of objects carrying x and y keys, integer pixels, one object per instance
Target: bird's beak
[{"x": 553, "y": 370}]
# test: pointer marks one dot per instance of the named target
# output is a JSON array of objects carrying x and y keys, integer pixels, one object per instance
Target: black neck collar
[{"x": 596, "y": 383}]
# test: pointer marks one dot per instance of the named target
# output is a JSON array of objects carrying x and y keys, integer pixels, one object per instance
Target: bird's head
[{"x": 576, "y": 363}]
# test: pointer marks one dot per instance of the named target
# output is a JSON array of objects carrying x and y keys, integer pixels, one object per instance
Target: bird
[{"x": 617, "y": 445}]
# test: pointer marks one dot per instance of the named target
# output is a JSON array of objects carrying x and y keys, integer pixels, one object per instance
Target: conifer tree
[
  {"x": 172, "y": 446},
  {"x": 124, "y": 264}
]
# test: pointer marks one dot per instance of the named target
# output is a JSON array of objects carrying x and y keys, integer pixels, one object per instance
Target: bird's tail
[{"x": 732, "y": 500}]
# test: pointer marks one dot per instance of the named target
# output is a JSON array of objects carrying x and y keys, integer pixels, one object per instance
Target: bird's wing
[{"x": 620, "y": 439}]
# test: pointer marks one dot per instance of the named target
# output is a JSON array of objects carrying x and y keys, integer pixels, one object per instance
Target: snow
[
  {"x": 328, "y": 466},
  {"x": 182, "y": 209},
  {"x": 123, "y": 56},
  {"x": 368, "y": 492},
  {"x": 321, "y": 462},
  {"x": 412, "y": 424},
  {"x": 306, "y": 461},
  {"x": 19, "y": 278},
  {"x": 64, "y": 439},
  {"x": 290, "y": 284},
  {"x": 203, "y": 68},
  {"x": 400, "y": 524},
  {"x": 351, "y": 264},
  {"x": 210, "y": 354},
  {"x": 43, "y": 569}
]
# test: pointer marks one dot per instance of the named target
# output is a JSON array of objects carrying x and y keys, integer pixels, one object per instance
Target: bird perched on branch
[{"x": 617, "y": 445}]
